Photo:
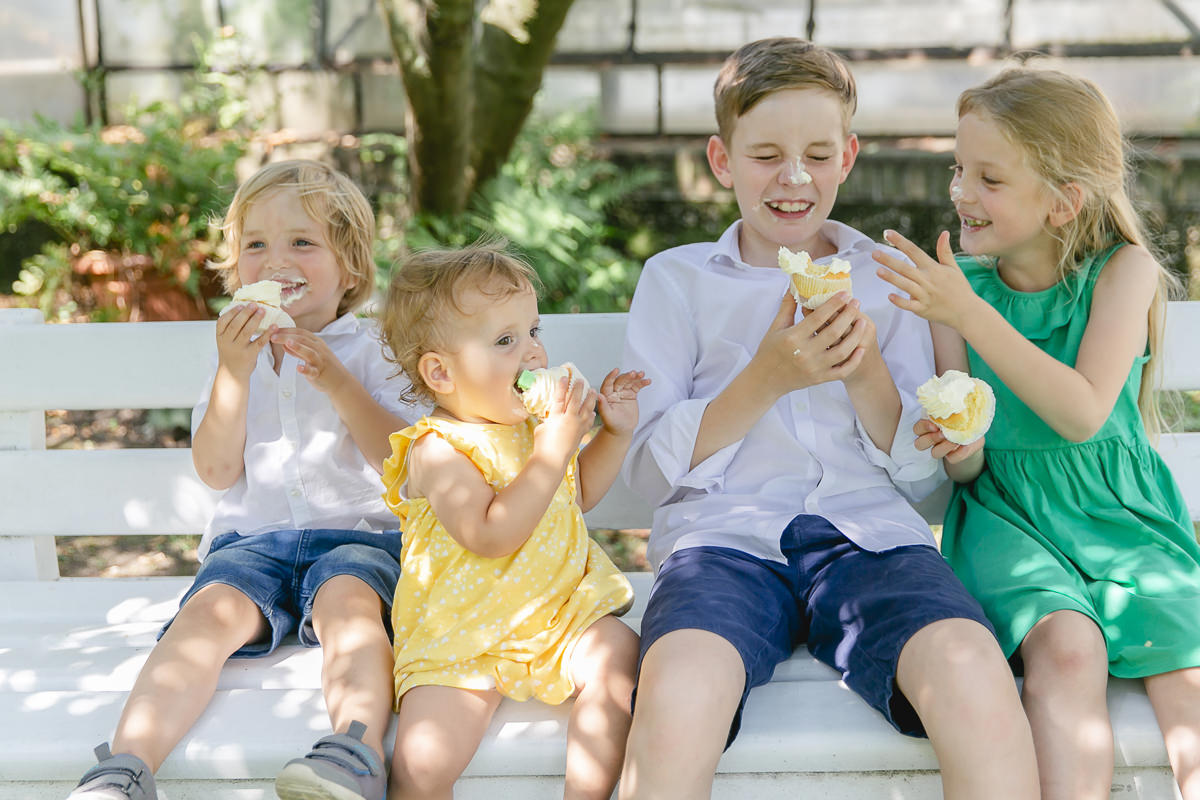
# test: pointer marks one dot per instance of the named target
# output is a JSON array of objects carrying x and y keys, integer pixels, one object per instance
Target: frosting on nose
[
  {"x": 956, "y": 193},
  {"x": 795, "y": 173}
]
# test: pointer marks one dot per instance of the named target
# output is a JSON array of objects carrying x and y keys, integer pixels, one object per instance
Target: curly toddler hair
[{"x": 423, "y": 301}]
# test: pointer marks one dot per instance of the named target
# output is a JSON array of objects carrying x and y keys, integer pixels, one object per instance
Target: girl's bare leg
[
  {"x": 1176, "y": 700},
  {"x": 1066, "y": 698},
  {"x": 602, "y": 668},
  {"x": 437, "y": 734}
]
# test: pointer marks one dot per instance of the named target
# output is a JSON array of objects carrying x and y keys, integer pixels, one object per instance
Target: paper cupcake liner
[{"x": 811, "y": 292}]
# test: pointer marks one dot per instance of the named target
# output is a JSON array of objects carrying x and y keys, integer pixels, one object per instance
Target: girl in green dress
[{"x": 1067, "y": 525}]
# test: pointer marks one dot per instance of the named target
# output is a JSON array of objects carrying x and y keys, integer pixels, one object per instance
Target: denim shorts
[
  {"x": 855, "y": 609},
  {"x": 281, "y": 571}
]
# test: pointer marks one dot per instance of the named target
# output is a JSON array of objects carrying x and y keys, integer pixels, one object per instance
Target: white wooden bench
[{"x": 71, "y": 647}]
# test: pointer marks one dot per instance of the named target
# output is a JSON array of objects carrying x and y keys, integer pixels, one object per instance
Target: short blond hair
[
  {"x": 765, "y": 66},
  {"x": 330, "y": 199},
  {"x": 424, "y": 300}
]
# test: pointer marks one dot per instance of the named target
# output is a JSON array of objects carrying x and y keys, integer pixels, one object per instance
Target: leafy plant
[
  {"x": 143, "y": 193},
  {"x": 552, "y": 202}
]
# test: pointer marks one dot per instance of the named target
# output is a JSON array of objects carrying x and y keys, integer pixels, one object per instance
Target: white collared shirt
[
  {"x": 697, "y": 318},
  {"x": 303, "y": 469}
]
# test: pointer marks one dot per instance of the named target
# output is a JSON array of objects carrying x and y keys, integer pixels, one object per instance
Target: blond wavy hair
[
  {"x": 1069, "y": 134},
  {"x": 424, "y": 301},
  {"x": 329, "y": 198},
  {"x": 765, "y": 66}
]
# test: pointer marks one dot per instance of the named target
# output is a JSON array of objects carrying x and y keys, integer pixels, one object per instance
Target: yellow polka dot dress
[{"x": 507, "y": 623}]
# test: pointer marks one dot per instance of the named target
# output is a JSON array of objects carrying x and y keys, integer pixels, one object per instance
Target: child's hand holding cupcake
[{"x": 960, "y": 409}]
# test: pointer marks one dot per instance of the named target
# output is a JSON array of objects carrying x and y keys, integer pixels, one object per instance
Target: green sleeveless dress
[{"x": 1099, "y": 527}]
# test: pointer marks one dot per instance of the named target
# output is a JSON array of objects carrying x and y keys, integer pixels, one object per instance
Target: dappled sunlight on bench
[{"x": 72, "y": 647}]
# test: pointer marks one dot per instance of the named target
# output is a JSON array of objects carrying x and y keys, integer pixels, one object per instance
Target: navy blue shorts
[
  {"x": 281, "y": 571},
  {"x": 855, "y": 609}
]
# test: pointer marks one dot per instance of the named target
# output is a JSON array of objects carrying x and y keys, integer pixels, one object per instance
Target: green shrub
[
  {"x": 553, "y": 201},
  {"x": 147, "y": 188}
]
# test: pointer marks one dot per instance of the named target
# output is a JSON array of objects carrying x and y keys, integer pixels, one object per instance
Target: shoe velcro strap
[{"x": 347, "y": 752}]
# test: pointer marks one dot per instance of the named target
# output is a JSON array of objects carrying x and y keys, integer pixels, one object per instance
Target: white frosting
[
  {"x": 268, "y": 296},
  {"x": 801, "y": 264},
  {"x": 538, "y": 396},
  {"x": 946, "y": 395},
  {"x": 796, "y": 174}
]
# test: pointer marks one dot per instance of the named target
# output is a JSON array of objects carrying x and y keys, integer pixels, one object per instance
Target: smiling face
[
  {"x": 1004, "y": 206},
  {"x": 496, "y": 337},
  {"x": 281, "y": 242},
  {"x": 785, "y": 160}
]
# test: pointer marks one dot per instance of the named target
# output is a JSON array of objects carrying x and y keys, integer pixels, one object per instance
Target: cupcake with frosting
[
  {"x": 813, "y": 283},
  {"x": 961, "y": 406},
  {"x": 267, "y": 295},
  {"x": 537, "y": 386}
]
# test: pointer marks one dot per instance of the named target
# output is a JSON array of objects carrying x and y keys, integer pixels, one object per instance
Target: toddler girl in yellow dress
[{"x": 504, "y": 594}]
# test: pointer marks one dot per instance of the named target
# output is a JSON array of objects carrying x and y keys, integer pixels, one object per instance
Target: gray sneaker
[
  {"x": 120, "y": 777},
  {"x": 339, "y": 767}
]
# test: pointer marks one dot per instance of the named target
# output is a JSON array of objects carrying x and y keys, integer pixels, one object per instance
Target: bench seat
[{"x": 73, "y": 648}]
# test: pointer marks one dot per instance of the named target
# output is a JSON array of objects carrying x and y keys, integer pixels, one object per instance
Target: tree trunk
[
  {"x": 470, "y": 83},
  {"x": 508, "y": 73}
]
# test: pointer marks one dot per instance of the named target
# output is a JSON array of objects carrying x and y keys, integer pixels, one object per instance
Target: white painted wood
[
  {"x": 104, "y": 492},
  {"x": 22, "y": 432},
  {"x": 71, "y": 648},
  {"x": 1181, "y": 365},
  {"x": 104, "y": 365}
]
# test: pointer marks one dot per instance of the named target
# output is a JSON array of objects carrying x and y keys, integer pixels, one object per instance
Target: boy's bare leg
[
  {"x": 356, "y": 656},
  {"x": 1176, "y": 700},
  {"x": 179, "y": 677},
  {"x": 956, "y": 677},
  {"x": 690, "y": 685},
  {"x": 437, "y": 734},
  {"x": 602, "y": 669},
  {"x": 1066, "y": 698}
]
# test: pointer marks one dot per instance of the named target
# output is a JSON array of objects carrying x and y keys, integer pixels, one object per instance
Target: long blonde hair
[{"x": 1070, "y": 133}]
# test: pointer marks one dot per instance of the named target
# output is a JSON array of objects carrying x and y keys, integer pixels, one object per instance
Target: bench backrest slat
[{"x": 152, "y": 365}]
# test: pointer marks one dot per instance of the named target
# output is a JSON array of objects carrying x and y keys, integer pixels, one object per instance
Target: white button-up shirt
[
  {"x": 303, "y": 469},
  {"x": 697, "y": 318}
]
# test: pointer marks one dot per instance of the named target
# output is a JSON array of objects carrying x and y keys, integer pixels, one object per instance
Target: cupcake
[
  {"x": 813, "y": 283},
  {"x": 537, "y": 386},
  {"x": 961, "y": 406},
  {"x": 267, "y": 295}
]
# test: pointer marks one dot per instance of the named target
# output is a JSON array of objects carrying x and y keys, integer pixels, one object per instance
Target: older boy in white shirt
[{"x": 773, "y": 444}]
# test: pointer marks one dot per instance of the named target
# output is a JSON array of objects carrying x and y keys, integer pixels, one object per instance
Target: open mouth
[
  {"x": 972, "y": 224},
  {"x": 789, "y": 206},
  {"x": 292, "y": 291}
]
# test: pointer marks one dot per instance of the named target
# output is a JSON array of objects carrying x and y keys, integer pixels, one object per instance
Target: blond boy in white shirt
[
  {"x": 294, "y": 426},
  {"x": 773, "y": 444}
]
